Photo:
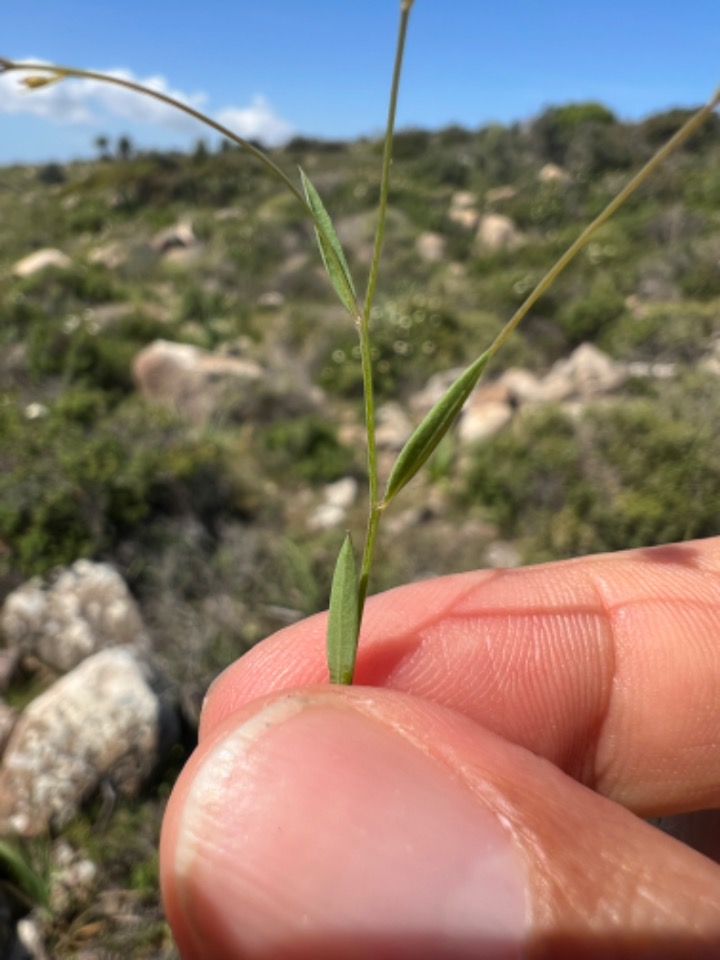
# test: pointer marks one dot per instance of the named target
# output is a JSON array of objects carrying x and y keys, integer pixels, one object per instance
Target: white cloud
[
  {"x": 88, "y": 101},
  {"x": 256, "y": 122}
]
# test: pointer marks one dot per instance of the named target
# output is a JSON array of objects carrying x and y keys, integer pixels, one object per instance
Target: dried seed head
[{"x": 35, "y": 83}]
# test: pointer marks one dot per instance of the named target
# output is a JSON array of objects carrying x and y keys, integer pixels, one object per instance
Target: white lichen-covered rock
[
  {"x": 85, "y": 609},
  {"x": 41, "y": 260},
  {"x": 102, "y": 722}
]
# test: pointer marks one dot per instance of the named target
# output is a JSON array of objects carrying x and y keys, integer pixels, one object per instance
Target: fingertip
[{"x": 312, "y": 829}]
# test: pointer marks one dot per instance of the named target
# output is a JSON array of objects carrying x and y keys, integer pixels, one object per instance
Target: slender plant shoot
[{"x": 349, "y": 587}]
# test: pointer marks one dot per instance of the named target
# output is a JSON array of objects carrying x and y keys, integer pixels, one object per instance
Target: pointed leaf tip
[
  {"x": 430, "y": 431},
  {"x": 331, "y": 251},
  {"x": 343, "y": 617}
]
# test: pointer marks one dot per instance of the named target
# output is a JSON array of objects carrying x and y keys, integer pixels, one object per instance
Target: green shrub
[
  {"x": 634, "y": 473},
  {"x": 558, "y": 128},
  {"x": 308, "y": 448},
  {"x": 76, "y": 351},
  {"x": 411, "y": 341},
  {"x": 669, "y": 331},
  {"x": 587, "y": 317},
  {"x": 72, "y": 486}
]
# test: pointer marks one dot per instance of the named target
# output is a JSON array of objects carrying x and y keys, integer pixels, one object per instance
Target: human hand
[{"x": 478, "y": 794}]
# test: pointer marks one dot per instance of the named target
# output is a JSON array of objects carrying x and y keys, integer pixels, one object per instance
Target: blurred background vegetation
[{"x": 211, "y": 525}]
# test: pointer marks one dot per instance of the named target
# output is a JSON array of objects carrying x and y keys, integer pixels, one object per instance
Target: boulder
[
  {"x": 483, "y": 420},
  {"x": 101, "y": 723},
  {"x": 431, "y": 246},
  {"x": 392, "y": 426},
  {"x": 111, "y": 255},
  {"x": 552, "y": 173},
  {"x": 84, "y": 610},
  {"x": 338, "y": 498},
  {"x": 41, "y": 260},
  {"x": 585, "y": 373},
  {"x": 498, "y": 194},
  {"x": 463, "y": 209},
  {"x": 195, "y": 383},
  {"x": 498, "y": 232},
  {"x": 181, "y": 235}
]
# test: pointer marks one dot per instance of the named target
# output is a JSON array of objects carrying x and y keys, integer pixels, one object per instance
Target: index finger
[{"x": 608, "y": 666}]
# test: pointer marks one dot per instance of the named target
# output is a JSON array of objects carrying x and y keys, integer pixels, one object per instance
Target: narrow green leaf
[
  {"x": 343, "y": 626},
  {"x": 330, "y": 250},
  {"x": 428, "y": 434},
  {"x": 26, "y": 881}
]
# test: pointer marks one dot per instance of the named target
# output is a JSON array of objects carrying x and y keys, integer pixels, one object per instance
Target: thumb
[{"x": 363, "y": 823}]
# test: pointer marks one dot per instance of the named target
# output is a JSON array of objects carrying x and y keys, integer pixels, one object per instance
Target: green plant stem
[
  {"x": 375, "y": 509},
  {"x": 630, "y": 187}
]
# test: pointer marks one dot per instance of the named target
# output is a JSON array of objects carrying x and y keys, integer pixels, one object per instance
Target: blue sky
[{"x": 321, "y": 68}]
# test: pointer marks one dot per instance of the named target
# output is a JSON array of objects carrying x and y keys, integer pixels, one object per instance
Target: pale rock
[
  {"x": 338, "y": 498},
  {"x": 271, "y": 300},
  {"x": 464, "y": 218},
  {"x": 41, "y": 260},
  {"x": 463, "y": 209},
  {"x": 110, "y": 255},
  {"x": 586, "y": 372},
  {"x": 181, "y": 235},
  {"x": 422, "y": 401},
  {"x": 342, "y": 493},
  {"x": 229, "y": 213},
  {"x": 711, "y": 365},
  {"x": 463, "y": 200},
  {"x": 101, "y": 723},
  {"x": 552, "y": 173},
  {"x": 482, "y": 420},
  {"x": 195, "y": 383},
  {"x": 392, "y": 427},
  {"x": 35, "y": 411},
  {"x": 103, "y": 316},
  {"x": 73, "y": 877},
  {"x": 8, "y": 719},
  {"x": 431, "y": 246},
  {"x": 31, "y": 938},
  {"x": 86, "y": 609},
  {"x": 522, "y": 386},
  {"x": 501, "y": 554},
  {"x": 498, "y": 232},
  {"x": 654, "y": 371},
  {"x": 498, "y": 194}
]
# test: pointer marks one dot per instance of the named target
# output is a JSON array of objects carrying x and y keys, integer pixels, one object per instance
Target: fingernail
[{"x": 314, "y": 824}]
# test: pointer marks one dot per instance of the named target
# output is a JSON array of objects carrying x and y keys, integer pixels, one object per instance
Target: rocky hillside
[{"x": 181, "y": 442}]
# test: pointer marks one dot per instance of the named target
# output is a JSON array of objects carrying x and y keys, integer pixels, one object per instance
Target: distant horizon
[
  {"x": 322, "y": 70},
  {"x": 213, "y": 141}
]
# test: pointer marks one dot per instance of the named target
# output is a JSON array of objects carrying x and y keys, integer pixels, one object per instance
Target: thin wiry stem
[
  {"x": 630, "y": 187},
  {"x": 364, "y": 326}
]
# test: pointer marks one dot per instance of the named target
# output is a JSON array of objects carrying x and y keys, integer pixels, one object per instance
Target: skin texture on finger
[
  {"x": 607, "y": 666},
  {"x": 365, "y": 823}
]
